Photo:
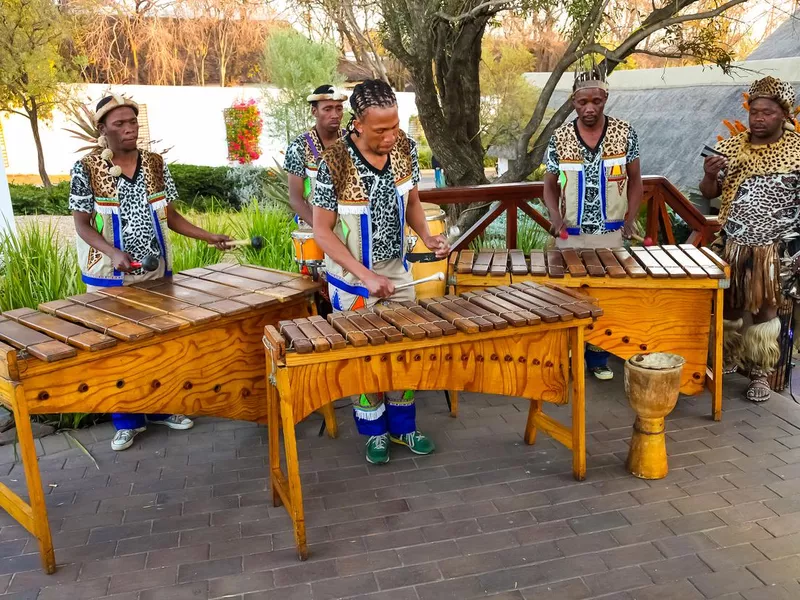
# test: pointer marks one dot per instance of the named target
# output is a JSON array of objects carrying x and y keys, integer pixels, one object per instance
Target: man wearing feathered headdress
[
  {"x": 757, "y": 175},
  {"x": 593, "y": 183},
  {"x": 121, "y": 202}
]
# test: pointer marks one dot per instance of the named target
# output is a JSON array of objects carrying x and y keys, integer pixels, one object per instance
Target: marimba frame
[{"x": 543, "y": 362}]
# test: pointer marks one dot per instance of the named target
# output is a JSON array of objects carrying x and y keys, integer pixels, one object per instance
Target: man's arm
[
  {"x": 85, "y": 230},
  {"x": 178, "y": 223},
  {"x": 415, "y": 216},
  {"x": 298, "y": 203},
  {"x": 552, "y": 193},
  {"x": 709, "y": 185},
  {"x": 635, "y": 191}
]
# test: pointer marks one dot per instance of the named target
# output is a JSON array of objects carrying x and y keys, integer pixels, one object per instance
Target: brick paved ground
[{"x": 186, "y": 516}]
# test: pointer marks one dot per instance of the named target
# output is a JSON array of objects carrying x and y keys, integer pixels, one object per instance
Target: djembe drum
[{"x": 652, "y": 384}]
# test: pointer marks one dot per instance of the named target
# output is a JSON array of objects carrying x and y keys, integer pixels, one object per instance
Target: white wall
[
  {"x": 187, "y": 118},
  {"x": 6, "y": 214}
]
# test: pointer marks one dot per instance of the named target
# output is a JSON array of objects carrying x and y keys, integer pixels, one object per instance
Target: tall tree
[
  {"x": 32, "y": 67},
  {"x": 295, "y": 65},
  {"x": 439, "y": 42}
]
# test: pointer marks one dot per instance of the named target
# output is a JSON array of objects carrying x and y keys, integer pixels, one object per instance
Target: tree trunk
[{"x": 33, "y": 117}]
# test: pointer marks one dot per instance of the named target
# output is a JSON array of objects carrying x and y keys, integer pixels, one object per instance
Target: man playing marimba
[
  {"x": 305, "y": 152},
  {"x": 758, "y": 176},
  {"x": 366, "y": 190},
  {"x": 121, "y": 202},
  {"x": 593, "y": 183}
]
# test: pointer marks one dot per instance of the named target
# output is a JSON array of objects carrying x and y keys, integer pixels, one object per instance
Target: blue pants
[
  {"x": 133, "y": 421},
  {"x": 595, "y": 357},
  {"x": 393, "y": 412}
]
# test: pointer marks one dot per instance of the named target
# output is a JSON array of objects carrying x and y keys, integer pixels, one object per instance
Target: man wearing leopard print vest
[
  {"x": 366, "y": 191},
  {"x": 758, "y": 179},
  {"x": 593, "y": 182},
  {"x": 121, "y": 202}
]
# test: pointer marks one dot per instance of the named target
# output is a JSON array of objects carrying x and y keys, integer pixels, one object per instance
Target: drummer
[
  {"x": 121, "y": 200},
  {"x": 303, "y": 154},
  {"x": 366, "y": 191}
]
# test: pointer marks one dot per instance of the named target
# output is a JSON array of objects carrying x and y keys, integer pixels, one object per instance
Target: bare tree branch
[{"x": 491, "y": 6}]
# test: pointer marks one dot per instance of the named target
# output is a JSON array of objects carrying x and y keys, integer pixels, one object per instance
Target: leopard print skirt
[{"x": 755, "y": 275}]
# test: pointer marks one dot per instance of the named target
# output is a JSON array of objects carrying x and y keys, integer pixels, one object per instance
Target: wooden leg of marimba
[
  {"x": 578, "y": 405},
  {"x": 715, "y": 380},
  {"x": 274, "y": 438},
  {"x": 329, "y": 414},
  {"x": 295, "y": 504},
  {"x": 530, "y": 428},
  {"x": 453, "y": 395},
  {"x": 30, "y": 464}
]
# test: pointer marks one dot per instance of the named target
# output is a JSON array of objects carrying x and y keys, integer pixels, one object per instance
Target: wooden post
[
  {"x": 578, "y": 405},
  {"x": 511, "y": 225},
  {"x": 715, "y": 383}
]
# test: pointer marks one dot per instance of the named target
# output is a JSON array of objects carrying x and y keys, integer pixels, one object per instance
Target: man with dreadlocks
[
  {"x": 305, "y": 152},
  {"x": 366, "y": 191},
  {"x": 758, "y": 179},
  {"x": 593, "y": 182}
]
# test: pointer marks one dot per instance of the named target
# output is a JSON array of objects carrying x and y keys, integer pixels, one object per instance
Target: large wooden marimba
[
  {"x": 655, "y": 299},
  {"x": 188, "y": 344},
  {"x": 524, "y": 341}
]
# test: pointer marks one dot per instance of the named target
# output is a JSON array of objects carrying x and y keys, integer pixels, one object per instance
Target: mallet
[
  {"x": 435, "y": 277},
  {"x": 647, "y": 241},
  {"x": 150, "y": 263},
  {"x": 256, "y": 242}
]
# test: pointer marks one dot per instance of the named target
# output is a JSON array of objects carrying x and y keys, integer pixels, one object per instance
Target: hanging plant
[{"x": 243, "y": 126}]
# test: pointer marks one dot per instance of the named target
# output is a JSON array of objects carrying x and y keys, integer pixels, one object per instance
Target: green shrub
[
  {"x": 425, "y": 155},
  {"x": 35, "y": 200},
  {"x": 194, "y": 182},
  {"x": 274, "y": 224}
]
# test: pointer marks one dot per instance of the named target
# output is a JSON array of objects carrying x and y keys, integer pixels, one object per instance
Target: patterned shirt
[
  {"x": 764, "y": 209},
  {"x": 294, "y": 162},
  {"x": 380, "y": 186},
  {"x": 592, "y": 219},
  {"x": 136, "y": 218}
]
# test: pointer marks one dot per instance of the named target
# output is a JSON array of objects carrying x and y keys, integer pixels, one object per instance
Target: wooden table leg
[
  {"x": 530, "y": 428},
  {"x": 453, "y": 395},
  {"x": 578, "y": 405},
  {"x": 714, "y": 379},
  {"x": 30, "y": 464},
  {"x": 329, "y": 414},
  {"x": 274, "y": 439},
  {"x": 295, "y": 492}
]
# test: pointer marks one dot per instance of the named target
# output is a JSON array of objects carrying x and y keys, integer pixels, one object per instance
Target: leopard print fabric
[{"x": 764, "y": 209}]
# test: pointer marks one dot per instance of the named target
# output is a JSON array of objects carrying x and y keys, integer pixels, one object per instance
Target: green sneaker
[
  {"x": 378, "y": 449},
  {"x": 416, "y": 442}
]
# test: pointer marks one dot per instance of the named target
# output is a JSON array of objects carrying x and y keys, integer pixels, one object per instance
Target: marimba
[
  {"x": 655, "y": 299},
  {"x": 524, "y": 341},
  {"x": 187, "y": 344}
]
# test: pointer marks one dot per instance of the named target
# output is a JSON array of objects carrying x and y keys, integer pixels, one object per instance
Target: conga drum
[
  {"x": 652, "y": 384},
  {"x": 434, "y": 215}
]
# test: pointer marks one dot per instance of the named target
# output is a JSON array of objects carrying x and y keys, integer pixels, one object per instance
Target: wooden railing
[{"x": 514, "y": 197}]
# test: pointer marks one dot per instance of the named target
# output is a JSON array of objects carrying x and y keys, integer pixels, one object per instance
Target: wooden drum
[
  {"x": 434, "y": 215},
  {"x": 652, "y": 384}
]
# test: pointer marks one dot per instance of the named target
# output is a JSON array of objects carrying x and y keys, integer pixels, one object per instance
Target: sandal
[{"x": 758, "y": 390}]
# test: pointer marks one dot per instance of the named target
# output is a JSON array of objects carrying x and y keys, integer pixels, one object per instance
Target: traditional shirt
[
  {"x": 592, "y": 220},
  {"x": 381, "y": 188},
  {"x": 137, "y": 229}
]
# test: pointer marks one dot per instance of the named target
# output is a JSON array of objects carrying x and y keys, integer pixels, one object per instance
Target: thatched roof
[{"x": 784, "y": 42}]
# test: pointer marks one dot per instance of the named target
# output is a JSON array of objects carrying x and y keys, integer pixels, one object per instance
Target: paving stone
[
  {"x": 112, "y": 566},
  {"x": 682, "y": 545},
  {"x": 599, "y": 522},
  {"x": 650, "y": 512},
  {"x": 408, "y": 576},
  {"x": 240, "y": 584},
  {"x": 643, "y": 532},
  {"x": 295, "y": 592},
  {"x": 638, "y": 554},
  {"x": 186, "y": 591},
  {"x": 675, "y": 569},
  {"x": 694, "y": 522},
  {"x": 572, "y": 589},
  {"x": 617, "y": 580},
  {"x": 778, "y": 570},
  {"x": 477, "y": 544},
  {"x": 744, "y": 513},
  {"x": 779, "y": 547},
  {"x": 591, "y": 542},
  {"x": 732, "y": 557},
  {"x": 786, "y": 591},
  {"x": 739, "y": 534},
  {"x": 713, "y": 585},
  {"x": 675, "y": 590},
  {"x": 83, "y": 590},
  {"x": 378, "y": 561}
]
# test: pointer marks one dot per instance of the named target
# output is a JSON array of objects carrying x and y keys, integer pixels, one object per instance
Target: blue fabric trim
[
  {"x": 160, "y": 236},
  {"x": 117, "y": 229},
  {"x": 401, "y": 207},
  {"x": 101, "y": 282},
  {"x": 581, "y": 194},
  {"x": 574, "y": 230},
  {"x": 366, "y": 240},
  {"x": 614, "y": 225},
  {"x": 356, "y": 290},
  {"x": 311, "y": 145},
  {"x": 603, "y": 191},
  {"x": 376, "y": 427},
  {"x": 401, "y": 419}
]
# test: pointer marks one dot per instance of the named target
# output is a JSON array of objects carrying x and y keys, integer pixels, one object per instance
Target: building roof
[{"x": 784, "y": 42}]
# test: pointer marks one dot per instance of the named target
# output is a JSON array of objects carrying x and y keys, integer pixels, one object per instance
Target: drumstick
[
  {"x": 435, "y": 277},
  {"x": 647, "y": 241},
  {"x": 150, "y": 263},
  {"x": 256, "y": 242}
]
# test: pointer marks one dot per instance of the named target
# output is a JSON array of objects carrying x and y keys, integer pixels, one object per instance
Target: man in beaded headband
[
  {"x": 593, "y": 183},
  {"x": 122, "y": 203},
  {"x": 304, "y": 153},
  {"x": 756, "y": 173}
]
